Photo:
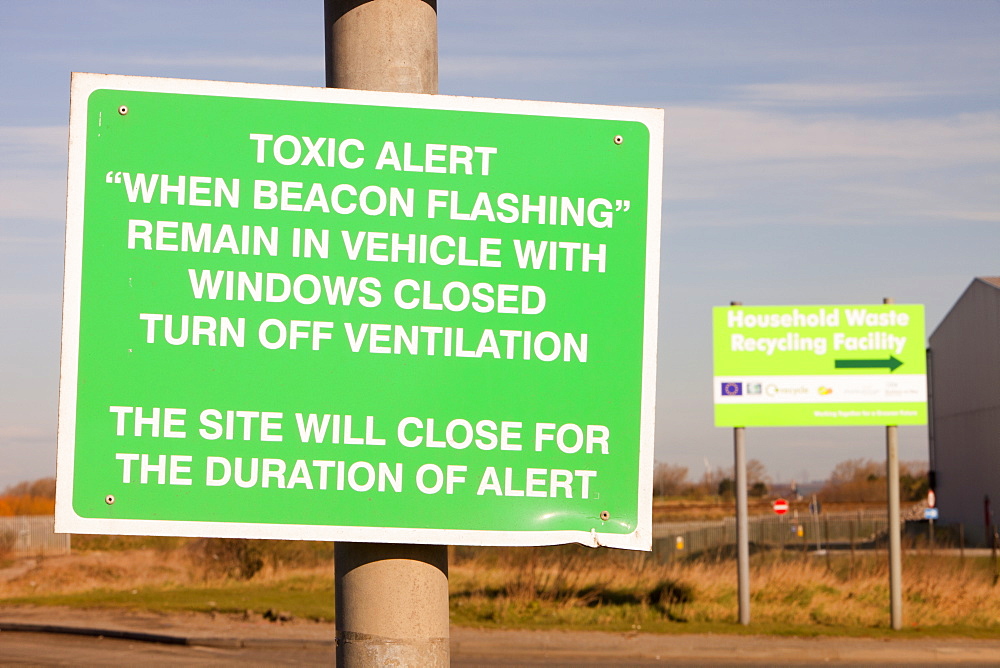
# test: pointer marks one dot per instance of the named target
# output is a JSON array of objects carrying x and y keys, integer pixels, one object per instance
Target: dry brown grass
[
  {"x": 170, "y": 564},
  {"x": 794, "y": 591},
  {"x": 576, "y": 587},
  {"x": 86, "y": 571}
]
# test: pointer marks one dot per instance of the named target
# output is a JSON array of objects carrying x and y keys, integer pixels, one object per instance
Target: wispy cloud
[
  {"x": 33, "y": 197},
  {"x": 33, "y": 146},
  {"x": 7, "y": 241},
  {"x": 834, "y": 94},
  {"x": 33, "y": 173},
  {"x": 726, "y": 166},
  {"x": 712, "y": 135},
  {"x": 292, "y": 63},
  {"x": 963, "y": 214},
  {"x": 526, "y": 68},
  {"x": 25, "y": 303},
  {"x": 22, "y": 432}
]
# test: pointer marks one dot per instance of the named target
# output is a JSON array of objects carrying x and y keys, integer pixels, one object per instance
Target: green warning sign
[
  {"x": 819, "y": 365},
  {"x": 328, "y": 314}
]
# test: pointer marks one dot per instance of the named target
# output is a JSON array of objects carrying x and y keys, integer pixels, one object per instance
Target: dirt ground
[{"x": 512, "y": 647}]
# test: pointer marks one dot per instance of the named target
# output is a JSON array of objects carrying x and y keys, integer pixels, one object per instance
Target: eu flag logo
[{"x": 732, "y": 389}]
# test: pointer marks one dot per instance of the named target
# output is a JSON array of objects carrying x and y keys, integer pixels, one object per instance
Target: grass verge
[
  {"x": 314, "y": 602},
  {"x": 567, "y": 587}
]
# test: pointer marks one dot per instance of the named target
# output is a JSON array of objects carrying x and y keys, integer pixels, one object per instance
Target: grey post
[
  {"x": 895, "y": 549},
  {"x": 814, "y": 511},
  {"x": 392, "y": 604},
  {"x": 742, "y": 519},
  {"x": 392, "y": 600},
  {"x": 387, "y": 45}
]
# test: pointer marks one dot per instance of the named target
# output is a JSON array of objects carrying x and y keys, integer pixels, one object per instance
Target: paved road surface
[
  {"x": 493, "y": 649},
  {"x": 226, "y": 641}
]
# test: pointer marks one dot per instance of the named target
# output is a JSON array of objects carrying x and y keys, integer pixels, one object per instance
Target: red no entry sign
[{"x": 780, "y": 506}]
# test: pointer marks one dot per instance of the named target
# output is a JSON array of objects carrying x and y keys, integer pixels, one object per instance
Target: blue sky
[{"x": 816, "y": 153}]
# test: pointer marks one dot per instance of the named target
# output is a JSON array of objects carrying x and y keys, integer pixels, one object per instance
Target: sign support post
[
  {"x": 391, "y": 599},
  {"x": 742, "y": 519},
  {"x": 814, "y": 511},
  {"x": 742, "y": 524},
  {"x": 895, "y": 558}
]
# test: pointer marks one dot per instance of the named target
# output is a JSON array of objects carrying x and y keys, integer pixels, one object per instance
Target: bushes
[
  {"x": 863, "y": 481},
  {"x": 29, "y": 498},
  {"x": 26, "y": 505},
  {"x": 242, "y": 559}
]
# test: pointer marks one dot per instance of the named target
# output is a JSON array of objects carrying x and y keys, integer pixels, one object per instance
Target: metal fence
[
  {"x": 832, "y": 531},
  {"x": 34, "y": 535},
  {"x": 31, "y": 536}
]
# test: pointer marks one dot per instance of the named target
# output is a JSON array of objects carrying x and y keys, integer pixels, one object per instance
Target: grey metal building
[{"x": 964, "y": 380}]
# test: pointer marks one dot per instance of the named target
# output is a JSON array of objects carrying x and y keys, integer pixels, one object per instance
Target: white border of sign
[{"x": 67, "y": 521}]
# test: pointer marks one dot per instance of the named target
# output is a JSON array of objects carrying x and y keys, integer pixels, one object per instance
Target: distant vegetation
[
  {"x": 29, "y": 498},
  {"x": 852, "y": 481},
  {"x": 863, "y": 481},
  {"x": 671, "y": 480}
]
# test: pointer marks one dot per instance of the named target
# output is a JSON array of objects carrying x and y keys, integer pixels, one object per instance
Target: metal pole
[
  {"x": 995, "y": 543},
  {"x": 895, "y": 549},
  {"x": 826, "y": 539},
  {"x": 814, "y": 510},
  {"x": 392, "y": 600},
  {"x": 850, "y": 529},
  {"x": 742, "y": 524},
  {"x": 742, "y": 519}
]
